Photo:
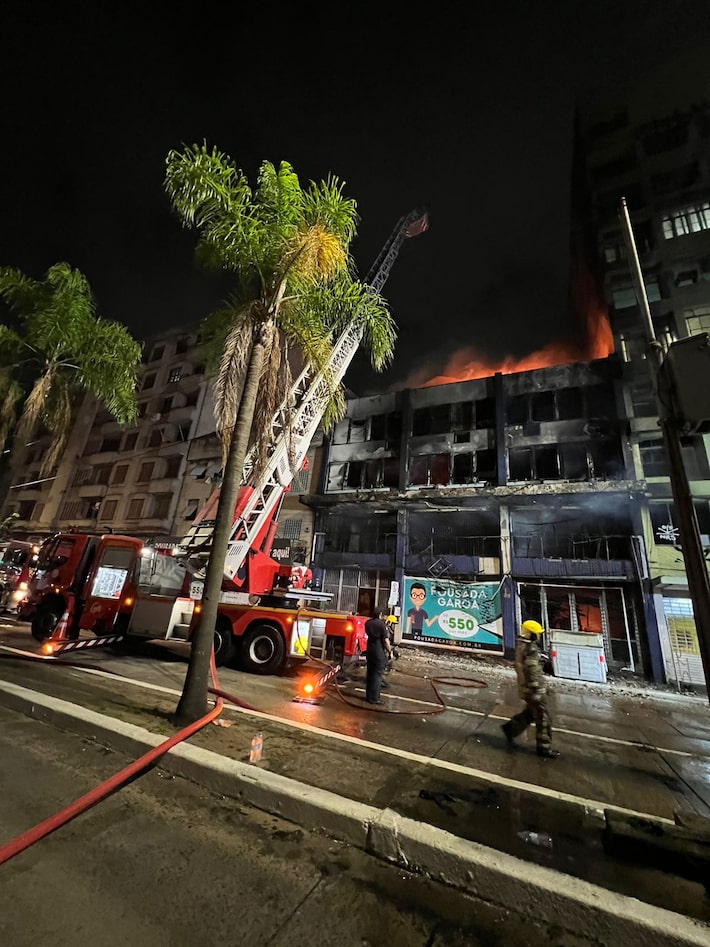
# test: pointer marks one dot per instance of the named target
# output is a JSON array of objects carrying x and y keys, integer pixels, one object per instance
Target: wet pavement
[{"x": 434, "y": 752}]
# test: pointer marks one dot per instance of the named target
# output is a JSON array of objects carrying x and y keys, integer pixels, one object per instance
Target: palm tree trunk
[{"x": 193, "y": 701}]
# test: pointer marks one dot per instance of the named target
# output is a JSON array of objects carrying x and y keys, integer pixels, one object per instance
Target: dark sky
[{"x": 465, "y": 108}]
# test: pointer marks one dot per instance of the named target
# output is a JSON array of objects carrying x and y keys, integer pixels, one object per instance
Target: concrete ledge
[{"x": 593, "y": 914}]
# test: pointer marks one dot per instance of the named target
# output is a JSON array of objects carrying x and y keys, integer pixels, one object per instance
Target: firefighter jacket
[{"x": 528, "y": 666}]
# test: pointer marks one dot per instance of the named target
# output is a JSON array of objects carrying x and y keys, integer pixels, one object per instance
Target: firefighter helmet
[
  {"x": 531, "y": 627},
  {"x": 391, "y": 620}
]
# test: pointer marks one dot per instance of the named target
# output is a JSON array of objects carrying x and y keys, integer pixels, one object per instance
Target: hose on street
[{"x": 103, "y": 790}]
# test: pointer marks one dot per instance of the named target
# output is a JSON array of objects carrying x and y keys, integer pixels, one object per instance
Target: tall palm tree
[
  {"x": 288, "y": 248},
  {"x": 60, "y": 348}
]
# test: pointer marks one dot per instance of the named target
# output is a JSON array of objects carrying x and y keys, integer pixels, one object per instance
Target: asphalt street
[{"x": 163, "y": 863}]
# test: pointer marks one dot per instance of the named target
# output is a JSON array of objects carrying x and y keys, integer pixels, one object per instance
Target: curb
[{"x": 592, "y": 913}]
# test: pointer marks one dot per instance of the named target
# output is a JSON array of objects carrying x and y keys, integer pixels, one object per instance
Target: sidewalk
[{"x": 429, "y": 815}]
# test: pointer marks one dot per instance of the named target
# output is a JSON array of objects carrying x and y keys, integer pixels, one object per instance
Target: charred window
[
  {"x": 485, "y": 411},
  {"x": 517, "y": 410},
  {"x": 430, "y": 470},
  {"x": 573, "y": 462},
  {"x": 520, "y": 464},
  {"x": 369, "y": 535},
  {"x": 461, "y": 416},
  {"x": 600, "y": 402},
  {"x": 546, "y": 463},
  {"x": 353, "y": 477},
  {"x": 486, "y": 465},
  {"x": 463, "y": 468},
  {"x": 569, "y": 404},
  {"x": 542, "y": 406},
  {"x": 433, "y": 419},
  {"x": 607, "y": 460}
]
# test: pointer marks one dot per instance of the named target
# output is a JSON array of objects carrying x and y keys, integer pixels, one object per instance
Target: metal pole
[{"x": 690, "y": 542}]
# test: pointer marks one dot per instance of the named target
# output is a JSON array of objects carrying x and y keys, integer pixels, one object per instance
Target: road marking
[{"x": 633, "y": 744}]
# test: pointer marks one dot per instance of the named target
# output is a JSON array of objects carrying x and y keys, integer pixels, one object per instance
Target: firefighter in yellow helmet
[{"x": 531, "y": 687}]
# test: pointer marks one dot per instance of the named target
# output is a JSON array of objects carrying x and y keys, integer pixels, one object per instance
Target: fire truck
[
  {"x": 110, "y": 585},
  {"x": 17, "y": 562}
]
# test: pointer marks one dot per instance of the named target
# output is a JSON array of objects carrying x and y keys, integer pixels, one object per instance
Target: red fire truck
[{"x": 111, "y": 585}]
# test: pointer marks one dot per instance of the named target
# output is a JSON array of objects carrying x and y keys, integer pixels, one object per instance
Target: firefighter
[
  {"x": 531, "y": 687},
  {"x": 378, "y": 651}
]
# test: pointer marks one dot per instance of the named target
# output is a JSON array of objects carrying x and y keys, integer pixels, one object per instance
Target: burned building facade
[{"x": 468, "y": 506}]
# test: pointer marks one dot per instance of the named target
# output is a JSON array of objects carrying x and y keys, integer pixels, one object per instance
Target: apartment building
[{"x": 650, "y": 143}]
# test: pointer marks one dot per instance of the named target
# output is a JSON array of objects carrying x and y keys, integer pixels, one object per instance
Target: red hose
[{"x": 99, "y": 793}]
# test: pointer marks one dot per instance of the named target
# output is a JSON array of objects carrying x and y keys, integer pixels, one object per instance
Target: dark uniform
[
  {"x": 531, "y": 688},
  {"x": 377, "y": 651}
]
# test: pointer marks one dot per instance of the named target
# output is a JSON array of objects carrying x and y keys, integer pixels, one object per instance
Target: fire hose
[{"x": 103, "y": 790}]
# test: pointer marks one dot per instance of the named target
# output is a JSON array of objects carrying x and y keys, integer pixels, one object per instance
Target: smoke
[{"x": 588, "y": 334}]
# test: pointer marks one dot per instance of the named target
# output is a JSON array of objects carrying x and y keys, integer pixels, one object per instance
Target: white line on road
[{"x": 590, "y": 805}]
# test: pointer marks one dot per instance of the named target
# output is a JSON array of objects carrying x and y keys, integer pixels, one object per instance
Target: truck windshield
[
  {"x": 55, "y": 554},
  {"x": 15, "y": 556}
]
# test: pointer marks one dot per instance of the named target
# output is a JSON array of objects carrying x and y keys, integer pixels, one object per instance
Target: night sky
[{"x": 467, "y": 110}]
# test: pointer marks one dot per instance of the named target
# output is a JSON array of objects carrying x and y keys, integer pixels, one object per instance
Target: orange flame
[
  {"x": 466, "y": 365},
  {"x": 597, "y": 342}
]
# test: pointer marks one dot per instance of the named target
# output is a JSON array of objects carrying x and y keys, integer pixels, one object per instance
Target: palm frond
[
  {"x": 32, "y": 409},
  {"x": 20, "y": 292},
  {"x": 8, "y": 409},
  {"x": 229, "y": 382},
  {"x": 326, "y": 205},
  {"x": 58, "y": 416}
]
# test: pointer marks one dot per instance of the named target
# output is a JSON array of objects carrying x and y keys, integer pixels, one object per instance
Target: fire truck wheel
[
  {"x": 263, "y": 650},
  {"x": 224, "y": 647},
  {"x": 45, "y": 620}
]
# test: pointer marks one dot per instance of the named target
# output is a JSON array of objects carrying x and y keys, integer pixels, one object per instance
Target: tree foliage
[
  {"x": 296, "y": 289},
  {"x": 60, "y": 348}
]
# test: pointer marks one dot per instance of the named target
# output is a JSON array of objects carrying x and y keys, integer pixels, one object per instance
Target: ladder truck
[{"x": 116, "y": 587}]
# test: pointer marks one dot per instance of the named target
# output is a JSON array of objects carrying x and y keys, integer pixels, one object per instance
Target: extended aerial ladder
[{"x": 293, "y": 427}]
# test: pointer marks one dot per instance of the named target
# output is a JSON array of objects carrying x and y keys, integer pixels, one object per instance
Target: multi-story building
[
  {"x": 650, "y": 144},
  {"x": 150, "y": 479},
  {"x": 517, "y": 491}
]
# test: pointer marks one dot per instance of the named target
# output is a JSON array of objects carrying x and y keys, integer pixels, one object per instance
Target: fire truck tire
[
  {"x": 45, "y": 620},
  {"x": 224, "y": 646},
  {"x": 263, "y": 650}
]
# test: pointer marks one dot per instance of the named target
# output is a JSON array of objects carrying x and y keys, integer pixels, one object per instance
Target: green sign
[{"x": 457, "y": 614}]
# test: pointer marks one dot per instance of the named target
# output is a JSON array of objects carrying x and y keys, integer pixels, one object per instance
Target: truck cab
[{"x": 17, "y": 563}]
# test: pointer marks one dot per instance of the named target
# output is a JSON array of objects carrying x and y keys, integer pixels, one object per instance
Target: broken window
[
  {"x": 485, "y": 414},
  {"x": 516, "y": 410},
  {"x": 378, "y": 427},
  {"x": 601, "y": 402},
  {"x": 433, "y": 419},
  {"x": 373, "y": 474},
  {"x": 542, "y": 406},
  {"x": 486, "y": 465},
  {"x": 573, "y": 460},
  {"x": 546, "y": 465},
  {"x": 439, "y": 469},
  {"x": 419, "y": 471},
  {"x": 461, "y": 416},
  {"x": 569, "y": 404},
  {"x": 358, "y": 431},
  {"x": 520, "y": 463},
  {"x": 353, "y": 477},
  {"x": 607, "y": 460},
  {"x": 390, "y": 472},
  {"x": 462, "y": 468}
]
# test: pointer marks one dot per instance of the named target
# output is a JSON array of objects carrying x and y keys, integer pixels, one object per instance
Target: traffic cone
[{"x": 61, "y": 629}]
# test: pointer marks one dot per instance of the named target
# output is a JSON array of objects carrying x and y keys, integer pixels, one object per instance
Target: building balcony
[
  {"x": 369, "y": 562},
  {"x": 620, "y": 569}
]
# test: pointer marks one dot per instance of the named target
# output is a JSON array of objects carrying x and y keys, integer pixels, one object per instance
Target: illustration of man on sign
[{"x": 417, "y": 617}]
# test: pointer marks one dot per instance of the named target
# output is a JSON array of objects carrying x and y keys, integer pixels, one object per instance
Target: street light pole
[{"x": 690, "y": 542}]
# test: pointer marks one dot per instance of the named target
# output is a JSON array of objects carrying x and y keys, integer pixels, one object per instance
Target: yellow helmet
[
  {"x": 531, "y": 627},
  {"x": 391, "y": 620}
]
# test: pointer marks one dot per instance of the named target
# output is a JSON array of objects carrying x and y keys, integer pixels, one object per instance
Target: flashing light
[
  {"x": 35, "y": 550},
  {"x": 22, "y": 587},
  {"x": 47, "y": 648},
  {"x": 146, "y": 552},
  {"x": 349, "y": 626},
  {"x": 308, "y": 688},
  {"x": 128, "y": 602},
  {"x": 197, "y": 609}
]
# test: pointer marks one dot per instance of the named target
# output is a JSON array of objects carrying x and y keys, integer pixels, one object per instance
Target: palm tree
[
  {"x": 289, "y": 249},
  {"x": 59, "y": 348}
]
